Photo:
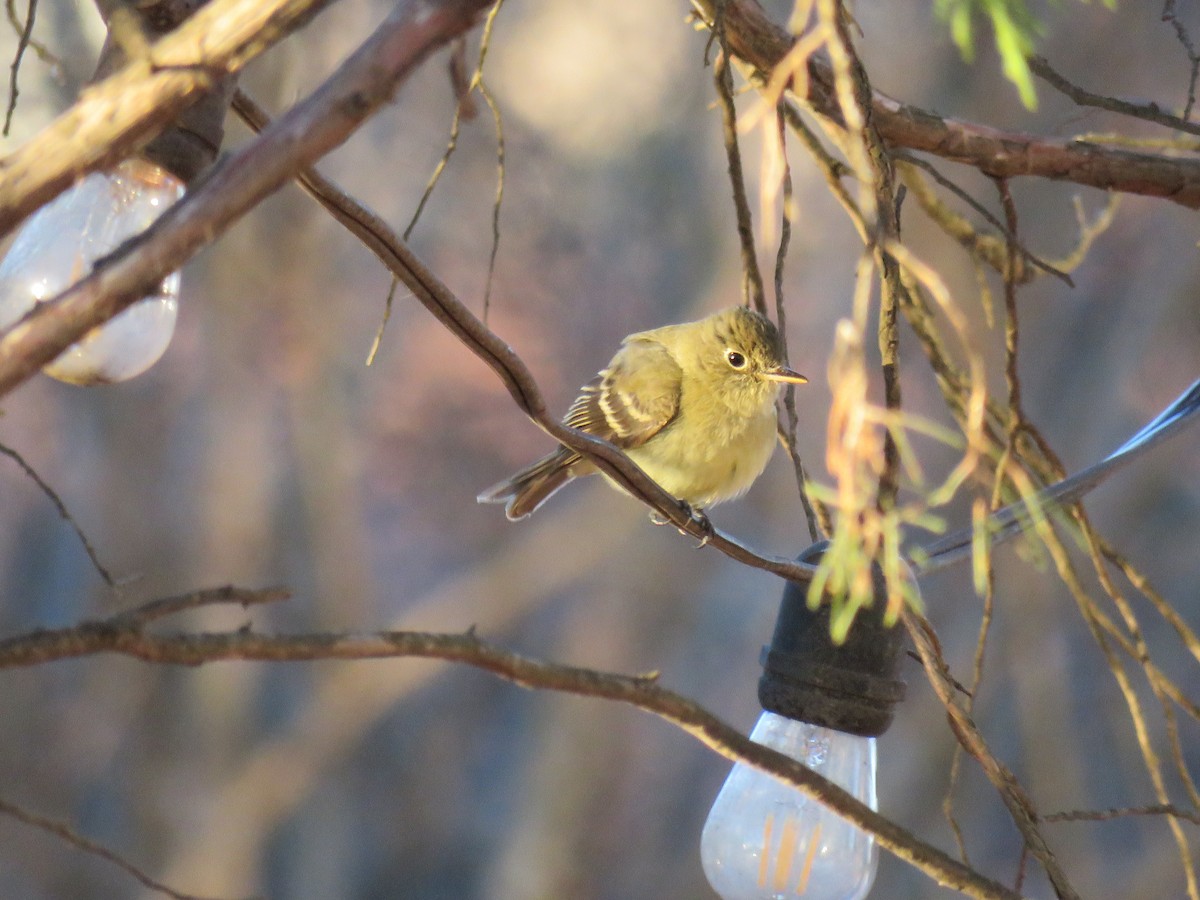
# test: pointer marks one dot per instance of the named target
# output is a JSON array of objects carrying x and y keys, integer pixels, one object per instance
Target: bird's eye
[{"x": 735, "y": 359}]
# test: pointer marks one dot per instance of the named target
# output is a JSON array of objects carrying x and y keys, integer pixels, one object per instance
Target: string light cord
[{"x": 1011, "y": 520}]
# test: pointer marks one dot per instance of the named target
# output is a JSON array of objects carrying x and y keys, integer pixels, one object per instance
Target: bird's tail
[{"x": 532, "y": 486}]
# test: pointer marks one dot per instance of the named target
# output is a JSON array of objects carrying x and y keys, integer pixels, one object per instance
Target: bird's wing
[{"x": 633, "y": 399}]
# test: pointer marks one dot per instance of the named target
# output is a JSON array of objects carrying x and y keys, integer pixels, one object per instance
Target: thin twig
[
  {"x": 1149, "y": 112},
  {"x": 463, "y": 109},
  {"x": 499, "y": 124},
  {"x": 1012, "y": 329},
  {"x": 788, "y": 433},
  {"x": 753, "y": 292},
  {"x": 22, "y": 44},
  {"x": 436, "y": 297},
  {"x": 43, "y": 52},
  {"x": 987, "y": 215},
  {"x": 63, "y": 512},
  {"x": 1103, "y": 815},
  {"x": 1181, "y": 33},
  {"x": 377, "y": 341},
  {"x": 485, "y": 42},
  {"x": 79, "y": 842},
  {"x": 227, "y": 595},
  {"x": 981, "y": 640}
]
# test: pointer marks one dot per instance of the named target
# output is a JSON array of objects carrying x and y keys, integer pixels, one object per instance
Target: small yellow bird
[{"x": 693, "y": 405}]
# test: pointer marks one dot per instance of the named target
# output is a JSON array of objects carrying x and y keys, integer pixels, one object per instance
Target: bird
[{"x": 692, "y": 404}]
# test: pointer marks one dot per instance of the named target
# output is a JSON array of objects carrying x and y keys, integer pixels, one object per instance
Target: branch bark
[
  {"x": 237, "y": 183},
  {"x": 756, "y": 39},
  {"x": 123, "y": 634},
  {"x": 286, "y": 149},
  {"x": 115, "y": 117},
  {"x": 441, "y": 302}
]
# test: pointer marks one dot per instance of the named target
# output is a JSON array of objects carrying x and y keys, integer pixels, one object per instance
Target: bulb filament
[{"x": 788, "y": 844}]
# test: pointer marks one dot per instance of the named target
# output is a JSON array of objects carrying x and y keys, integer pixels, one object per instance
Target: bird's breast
[{"x": 711, "y": 457}]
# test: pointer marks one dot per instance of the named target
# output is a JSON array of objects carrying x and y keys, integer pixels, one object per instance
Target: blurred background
[{"x": 262, "y": 450}]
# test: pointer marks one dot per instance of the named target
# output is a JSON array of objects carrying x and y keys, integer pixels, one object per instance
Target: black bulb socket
[
  {"x": 851, "y": 688},
  {"x": 189, "y": 145}
]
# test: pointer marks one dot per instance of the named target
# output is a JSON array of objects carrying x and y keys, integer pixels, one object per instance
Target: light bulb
[
  {"x": 57, "y": 248},
  {"x": 765, "y": 840}
]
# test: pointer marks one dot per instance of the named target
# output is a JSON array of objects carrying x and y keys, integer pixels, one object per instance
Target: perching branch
[
  {"x": 448, "y": 309},
  {"x": 283, "y": 151}
]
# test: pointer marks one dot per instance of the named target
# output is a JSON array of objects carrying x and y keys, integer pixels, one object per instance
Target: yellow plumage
[{"x": 692, "y": 404}]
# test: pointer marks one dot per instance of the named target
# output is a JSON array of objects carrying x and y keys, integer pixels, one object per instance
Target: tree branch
[
  {"x": 1150, "y": 112},
  {"x": 448, "y": 309},
  {"x": 1019, "y": 804},
  {"x": 284, "y": 150},
  {"x": 65, "y": 832},
  {"x": 1002, "y": 154},
  {"x": 123, "y": 634},
  {"x": 114, "y": 118},
  {"x": 63, "y": 512},
  {"x": 236, "y": 184}
]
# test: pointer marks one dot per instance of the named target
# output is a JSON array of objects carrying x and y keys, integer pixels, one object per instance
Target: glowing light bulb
[
  {"x": 765, "y": 840},
  {"x": 57, "y": 248}
]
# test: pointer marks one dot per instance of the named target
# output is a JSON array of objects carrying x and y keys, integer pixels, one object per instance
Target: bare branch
[
  {"x": 448, "y": 309},
  {"x": 365, "y": 82},
  {"x": 753, "y": 294},
  {"x": 1185, "y": 40},
  {"x": 787, "y": 433},
  {"x": 1102, "y": 815},
  {"x": 763, "y": 44},
  {"x": 117, "y": 116},
  {"x": 1150, "y": 112},
  {"x": 43, "y": 52},
  {"x": 72, "y": 837},
  {"x": 123, "y": 637},
  {"x": 23, "y": 41},
  {"x": 170, "y": 606},
  {"x": 62, "y": 510}
]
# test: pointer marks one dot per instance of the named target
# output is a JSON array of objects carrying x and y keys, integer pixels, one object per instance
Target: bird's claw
[
  {"x": 700, "y": 518},
  {"x": 697, "y": 517}
]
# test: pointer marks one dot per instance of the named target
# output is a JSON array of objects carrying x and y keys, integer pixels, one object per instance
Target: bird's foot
[
  {"x": 697, "y": 517},
  {"x": 700, "y": 518}
]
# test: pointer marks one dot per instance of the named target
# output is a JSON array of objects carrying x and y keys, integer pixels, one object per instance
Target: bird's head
[{"x": 745, "y": 351}]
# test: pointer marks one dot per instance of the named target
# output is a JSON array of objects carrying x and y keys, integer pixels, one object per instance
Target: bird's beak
[{"x": 785, "y": 375}]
